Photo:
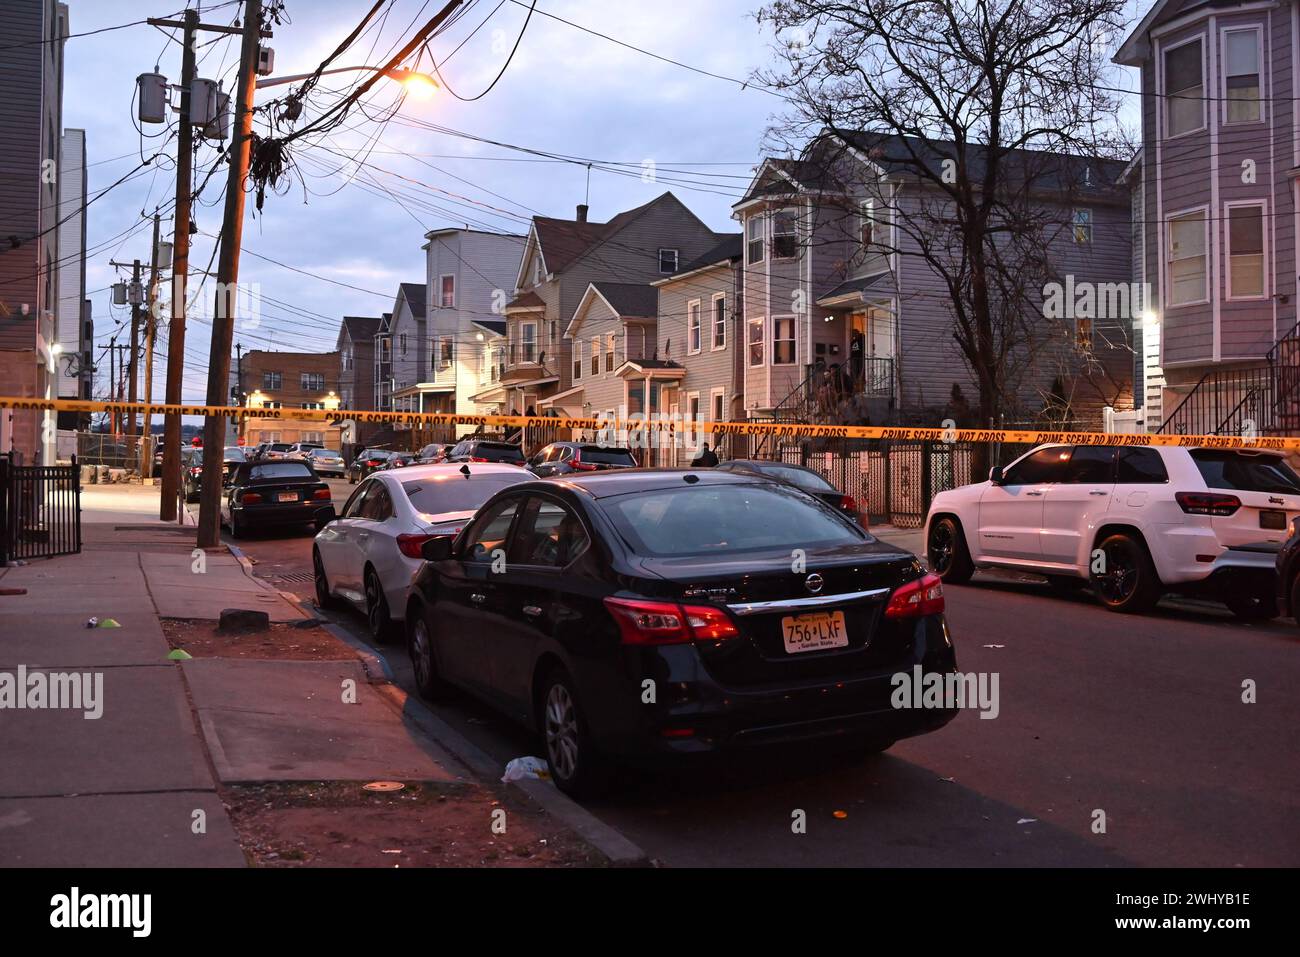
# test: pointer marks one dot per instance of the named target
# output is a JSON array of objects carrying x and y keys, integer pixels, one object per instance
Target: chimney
[{"x": 582, "y": 212}]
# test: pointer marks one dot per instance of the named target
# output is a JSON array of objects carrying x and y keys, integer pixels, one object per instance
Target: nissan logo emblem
[{"x": 813, "y": 583}]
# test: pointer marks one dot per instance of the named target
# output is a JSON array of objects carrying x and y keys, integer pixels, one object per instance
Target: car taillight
[
  {"x": 583, "y": 466},
  {"x": 476, "y": 459},
  {"x": 410, "y": 545},
  {"x": 373, "y": 462},
  {"x": 195, "y": 470},
  {"x": 668, "y": 623},
  {"x": 321, "y": 493},
  {"x": 250, "y": 498},
  {"x": 917, "y": 599},
  {"x": 848, "y": 503},
  {"x": 1207, "y": 503}
]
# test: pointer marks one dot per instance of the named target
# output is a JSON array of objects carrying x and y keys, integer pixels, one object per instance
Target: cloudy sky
[{"x": 565, "y": 91}]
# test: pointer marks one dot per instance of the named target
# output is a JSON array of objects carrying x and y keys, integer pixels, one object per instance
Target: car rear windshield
[
  {"x": 725, "y": 519},
  {"x": 502, "y": 450},
  {"x": 602, "y": 456},
  {"x": 280, "y": 470},
  {"x": 1244, "y": 472},
  {"x": 810, "y": 481},
  {"x": 323, "y": 454},
  {"x": 457, "y": 493},
  {"x": 376, "y": 454},
  {"x": 280, "y": 446}
]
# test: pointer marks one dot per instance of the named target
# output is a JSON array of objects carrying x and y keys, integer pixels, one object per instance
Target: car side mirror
[
  {"x": 995, "y": 475},
  {"x": 437, "y": 549}
]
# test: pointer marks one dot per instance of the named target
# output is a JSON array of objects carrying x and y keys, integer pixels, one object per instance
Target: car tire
[
  {"x": 378, "y": 617},
  {"x": 947, "y": 553},
  {"x": 424, "y": 661},
  {"x": 1252, "y": 606},
  {"x": 576, "y": 767},
  {"x": 323, "y": 597},
  {"x": 237, "y": 529},
  {"x": 1130, "y": 584}
]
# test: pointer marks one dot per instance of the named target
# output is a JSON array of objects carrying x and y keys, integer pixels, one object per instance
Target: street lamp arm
[{"x": 396, "y": 74}]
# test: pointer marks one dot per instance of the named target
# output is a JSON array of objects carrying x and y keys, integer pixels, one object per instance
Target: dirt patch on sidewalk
[
  {"x": 339, "y": 824},
  {"x": 283, "y": 642}
]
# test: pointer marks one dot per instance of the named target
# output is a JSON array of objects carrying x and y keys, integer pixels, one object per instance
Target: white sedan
[{"x": 368, "y": 555}]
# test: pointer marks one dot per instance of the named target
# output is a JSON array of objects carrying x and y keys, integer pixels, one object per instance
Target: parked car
[
  {"x": 683, "y": 579},
  {"x": 326, "y": 462},
  {"x": 275, "y": 451},
  {"x": 1136, "y": 522},
  {"x": 274, "y": 495},
  {"x": 365, "y": 462},
  {"x": 435, "y": 453},
  {"x": 799, "y": 477},
  {"x": 368, "y": 555},
  {"x": 192, "y": 475},
  {"x": 300, "y": 450},
  {"x": 563, "y": 458},
  {"x": 400, "y": 460},
  {"x": 485, "y": 450}
]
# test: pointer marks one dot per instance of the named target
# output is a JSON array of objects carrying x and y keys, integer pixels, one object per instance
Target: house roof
[
  {"x": 563, "y": 241},
  {"x": 630, "y": 299},
  {"x": 526, "y": 300},
  {"x": 494, "y": 326},
  {"x": 415, "y": 293},
  {"x": 852, "y": 287},
  {"x": 730, "y": 247},
  {"x": 1135, "y": 48},
  {"x": 361, "y": 327}
]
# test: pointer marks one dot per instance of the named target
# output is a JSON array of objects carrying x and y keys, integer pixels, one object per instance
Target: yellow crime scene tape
[{"x": 790, "y": 429}]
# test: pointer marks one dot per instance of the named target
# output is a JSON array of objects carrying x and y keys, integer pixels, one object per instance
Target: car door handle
[
  {"x": 532, "y": 611},
  {"x": 477, "y": 598},
  {"x": 1098, "y": 491},
  {"x": 1032, "y": 492}
]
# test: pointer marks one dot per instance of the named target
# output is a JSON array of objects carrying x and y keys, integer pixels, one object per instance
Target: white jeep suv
[{"x": 1136, "y": 521}]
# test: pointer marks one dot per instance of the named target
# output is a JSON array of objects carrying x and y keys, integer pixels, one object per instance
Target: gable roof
[
  {"x": 495, "y": 326},
  {"x": 361, "y": 327},
  {"x": 731, "y": 247},
  {"x": 635, "y": 300},
  {"x": 1135, "y": 47},
  {"x": 415, "y": 294},
  {"x": 564, "y": 241}
]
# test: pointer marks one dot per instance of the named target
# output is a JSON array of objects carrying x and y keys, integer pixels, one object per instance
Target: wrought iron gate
[{"x": 40, "y": 510}]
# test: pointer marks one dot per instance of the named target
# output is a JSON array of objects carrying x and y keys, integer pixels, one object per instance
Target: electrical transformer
[
  {"x": 203, "y": 102},
  {"x": 151, "y": 96}
]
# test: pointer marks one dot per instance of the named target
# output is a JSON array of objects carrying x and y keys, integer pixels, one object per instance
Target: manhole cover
[{"x": 384, "y": 786}]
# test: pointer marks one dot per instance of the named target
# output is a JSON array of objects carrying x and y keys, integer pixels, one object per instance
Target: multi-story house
[
  {"x": 470, "y": 276},
  {"x": 356, "y": 348},
  {"x": 382, "y": 363},
  {"x": 561, "y": 259},
  {"x": 612, "y": 337},
  {"x": 291, "y": 380},
  {"x": 699, "y": 330},
  {"x": 1217, "y": 187},
  {"x": 845, "y": 318},
  {"x": 31, "y": 121},
  {"x": 75, "y": 328},
  {"x": 412, "y": 391}
]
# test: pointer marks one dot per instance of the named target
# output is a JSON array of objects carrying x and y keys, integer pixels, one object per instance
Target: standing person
[{"x": 707, "y": 458}]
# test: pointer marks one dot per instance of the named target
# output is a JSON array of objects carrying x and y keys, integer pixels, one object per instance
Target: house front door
[{"x": 878, "y": 377}]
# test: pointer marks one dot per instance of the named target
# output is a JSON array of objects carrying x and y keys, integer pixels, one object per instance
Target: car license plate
[
  {"x": 286, "y": 496},
  {"x": 814, "y": 632},
  {"x": 1271, "y": 518}
]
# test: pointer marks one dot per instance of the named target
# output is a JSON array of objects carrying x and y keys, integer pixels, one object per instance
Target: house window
[
  {"x": 577, "y": 361},
  {"x": 785, "y": 234},
  {"x": 529, "y": 330},
  {"x": 346, "y": 360},
  {"x": 1241, "y": 80},
  {"x": 552, "y": 331},
  {"x": 1083, "y": 334},
  {"x": 783, "y": 341},
  {"x": 610, "y": 341},
  {"x": 1187, "y": 259},
  {"x": 317, "y": 437},
  {"x": 1184, "y": 89},
  {"x": 667, "y": 261},
  {"x": 270, "y": 436},
  {"x": 867, "y": 222},
  {"x": 754, "y": 240},
  {"x": 718, "y": 400},
  {"x": 693, "y": 327},
  {"x": 402, "y": 343},
  {"x": 311, "y": 405},
  {"x": 1081, "y": 220},
  {"x": 756, "y": 341},
  {"x": 537, "y": 271},
  {"x": 271, "y": 380},
  {"x": 447, "y": 350},
  {"x": 447, "y": 292},
  {"x": 1245, "y": 251},
  {"x": 312, "y": 381},
  {"x": 720, "y": 322},
  {"x": 692, "y": 406},
  {"x": 595, "y": 355}
]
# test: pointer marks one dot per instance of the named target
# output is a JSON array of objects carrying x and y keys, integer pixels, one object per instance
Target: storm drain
[{"x": 292, "y": 577}]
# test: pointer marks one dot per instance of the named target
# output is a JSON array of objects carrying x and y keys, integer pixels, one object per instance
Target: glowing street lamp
[{"x": 420, "y": 85}]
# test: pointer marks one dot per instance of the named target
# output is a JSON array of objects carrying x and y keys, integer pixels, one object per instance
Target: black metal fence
[{"x": 40, "y": 510}]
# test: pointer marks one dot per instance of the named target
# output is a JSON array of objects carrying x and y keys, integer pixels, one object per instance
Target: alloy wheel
[
  {"x": 561, "y": 731},
  {"x": 321, "y": 582},
  {"x": 1120, "y": 578},
  {"x": 374, "y": 605},
  {"x": 941, "y": 547},
  {"x": 421, "y": 652}
]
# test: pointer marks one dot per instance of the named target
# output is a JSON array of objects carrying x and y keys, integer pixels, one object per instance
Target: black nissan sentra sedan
[
  {"x": 275, "y": 494},
  {"x": 638, "y": 615}
]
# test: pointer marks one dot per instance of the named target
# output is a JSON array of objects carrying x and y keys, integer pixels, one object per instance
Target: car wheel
[
  {"x": 947, "y": 552},
  {"x": 323, "y": 597},
  {"x": 575, "y": 767},
  {"x": 377, "y": 615},
  {"x": 1252, "y": 606},
  {"x": 419, "y": 643},
  {"x": 237, "y": 529},
  {"x": 1129, "y": 583}
]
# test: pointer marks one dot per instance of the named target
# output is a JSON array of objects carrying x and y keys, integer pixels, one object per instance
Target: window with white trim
[
  {"x": 577, "y": 360},
  {"x": 402, "y": 340},
  {"x": 866, "y": 222},
  {"x": 1184, "y": 88},
  {"x": 756, "y": 341},
  {"x": 1081, "y": 223},
  {"x": 447, "y": 292},
  {"x": 719, "y": 321},
  {"x": 785, "y": 234},
  {"x": 783, "y": 351},
  {"x": 693, "y": 327},
  {"x": 447, "y": 350},
  {"x": 595, "y": 355},
  {"x": 1245, "y": 250},
  {"x": 667, "y": 261},
  {"x": 529, "y": 335},
  {"x": 754, "y": 236},
  {"x": 1242, "y": 76},
  {"x": 611, "y": 341},
  {"x": 718, "y": 401},
  {"x": 1187, "y": 258},
  {"x": 312, "y": 381}
]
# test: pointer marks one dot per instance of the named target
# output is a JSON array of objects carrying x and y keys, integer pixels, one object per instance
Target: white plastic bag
[{"x": 522, "y": 768}]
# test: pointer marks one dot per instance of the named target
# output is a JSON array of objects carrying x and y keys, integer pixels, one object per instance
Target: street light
[{"x": 420, "y": 85}]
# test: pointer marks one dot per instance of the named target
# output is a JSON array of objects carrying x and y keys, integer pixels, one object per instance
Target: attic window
[{"x": 667, "y": 261}]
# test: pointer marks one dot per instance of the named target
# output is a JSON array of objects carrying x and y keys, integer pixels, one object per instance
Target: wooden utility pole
[
  {"x": 112, "y": 383},
  {"x": 223, "y": 320},
  {"x": 133, "y": 365},
  {"x": 150, "y": 331}
]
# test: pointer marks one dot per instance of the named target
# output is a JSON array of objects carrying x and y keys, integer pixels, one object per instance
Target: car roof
[
  {"x": 622, "y": 481},
  {"x": 759, "y": 464},
  {"x": 449, "y": 469}
]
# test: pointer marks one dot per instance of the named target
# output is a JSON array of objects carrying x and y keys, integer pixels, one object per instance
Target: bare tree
[{"x": 975, "y": 101}]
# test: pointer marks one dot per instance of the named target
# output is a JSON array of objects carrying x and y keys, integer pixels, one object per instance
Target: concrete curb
[{"x": 619, "y": 851}]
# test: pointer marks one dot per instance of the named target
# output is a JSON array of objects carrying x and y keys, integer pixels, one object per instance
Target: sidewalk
[{"x": 911, "y": 539}]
